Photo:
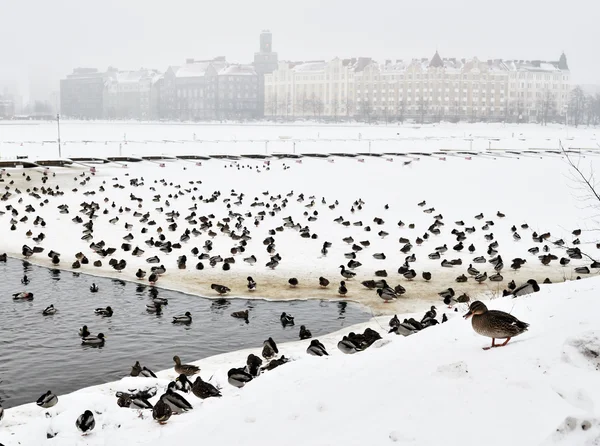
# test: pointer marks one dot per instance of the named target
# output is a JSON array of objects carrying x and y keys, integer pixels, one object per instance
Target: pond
[{"x": 38, "y": 352}]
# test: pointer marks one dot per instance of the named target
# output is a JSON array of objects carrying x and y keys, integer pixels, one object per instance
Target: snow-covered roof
[
  {"x": 237, "y": 70},
  {"x": 318, "y": 65}
]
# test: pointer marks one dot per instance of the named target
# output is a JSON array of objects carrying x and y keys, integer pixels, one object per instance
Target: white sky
[{"x": 43, "y": 40}]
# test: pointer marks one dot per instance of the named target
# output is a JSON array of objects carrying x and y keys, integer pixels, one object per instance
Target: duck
[
  {"x": 494, "y": 324},
  {"x": 270, "y": 349},
  {"x": 253, "y": 364},
  {"x": 155, "y": 308},
  {"x": 480, "y": 278},
  {"x": 49, "y": 311},
  {"x": 305, "y": 333},
  {"x": 251, "y": 283},
  {"x": 94, "y": 288},
  {"x": 47, "y": 400},
  {"x": 347, "y": 346},
  {"x": 93, "y": 340},
  {"x": 346, "y": 274},
  {"x": 86, "y": 422},
  {"x": 140, "y": 274},
  {"x": 84, "y": 332},
  {"x": 238, "y": 377},
  {"x": 176, "y": 402},
  {"x": 25, "y": 280},
  {"x": 204, "y": 390},
  {"x": 531, "y": 286},
  {"x": 183, "y": 319},
  {"x": 387, "y": 294},
  {"x": 316, "y": 348},
  {"x": 161, "y": 412},
  {"x": 323, "y": 282},
  {"x": 221, "y": 289},
  {"x": 286, "y": 319},
  {"x": 342, "y": 290},
  {"x": 183, "y": 384},
  {"x": 104, "y": 312},
  {"x": 426, "y": 276},
  {"x": 22, "y": 296},
  {"x": 293, "y": 282},
  {"x": 185, "y": 369}
]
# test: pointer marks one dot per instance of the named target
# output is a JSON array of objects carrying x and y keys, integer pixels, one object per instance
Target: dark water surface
[{"x": 38, "y": 353}]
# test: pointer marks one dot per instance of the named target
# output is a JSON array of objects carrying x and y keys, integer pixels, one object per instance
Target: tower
[{"x": 265, "y": 61}]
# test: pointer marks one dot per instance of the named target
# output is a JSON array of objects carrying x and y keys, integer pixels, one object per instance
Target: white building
[
  {"x": 421, "y": 89},
  {"x": 129, "y": 94}
]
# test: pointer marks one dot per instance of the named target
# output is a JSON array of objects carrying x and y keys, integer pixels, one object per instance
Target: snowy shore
[{"x": 437, "y": 386}]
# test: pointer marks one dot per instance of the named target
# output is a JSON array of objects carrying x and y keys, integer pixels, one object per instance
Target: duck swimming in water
[
  {"x": 183, "y": 319},
  {"x": 94, "y": 288},
  {"x": 49, "y": 311},
  {"x": 286, "y": 319},
  {"x": 494, "y": 324},
  {"x": 305, "y": 333},
  {"x": 104, "y": 312},
  {"x": 22, "y": 296},
  {"x": 84, "y": 332},
  {"x": 93, "y": 340}
]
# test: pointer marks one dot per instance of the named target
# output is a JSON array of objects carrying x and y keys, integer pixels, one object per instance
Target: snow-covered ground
[{"x": 435, "y": 387}]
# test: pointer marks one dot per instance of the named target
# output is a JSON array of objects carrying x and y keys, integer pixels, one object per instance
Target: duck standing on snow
[
  {"x": 185, "y": 369},
  {"x": 183, "y": 384},
  {"x": 47, "y": 400},
  {"x": 251, "y": 283},
  {"x": 161, "y": 411},
  {"x": 221, "y": 289},
  {"x": 204, "y": 390},
  {"x": 85, "y": 423},
  {"x": 494, "y": 324},
  {"x": 342, "y": 290},
  {"x": 531, "y": 286},
  {"x": 176, "y": 402},
  {"x": 94, "y": 288},
  {"x": 270, "y": 349},
  {"x": 316, "y": 348}
]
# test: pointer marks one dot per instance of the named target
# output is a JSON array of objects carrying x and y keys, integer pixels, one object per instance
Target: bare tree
[
  {"x": 335, "y": 107},
  {"x": 348, "y": 105},
  {"x": 317, "y": 106},
  {"x": 422, "y": 108},
  {"x": 545, "y": 107},
  {"x": 366, "y": 109},
  {"x": 576, "y": 106}
]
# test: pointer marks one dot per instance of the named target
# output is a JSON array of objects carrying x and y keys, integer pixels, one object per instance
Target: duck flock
[{"x": 173, "y": 232}]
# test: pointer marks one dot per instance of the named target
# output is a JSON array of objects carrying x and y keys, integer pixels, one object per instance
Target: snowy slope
[{"x": 435, "y": 387}]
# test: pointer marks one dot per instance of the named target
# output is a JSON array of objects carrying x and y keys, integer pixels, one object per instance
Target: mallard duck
[
  {"x": 23, "y": 296},
  {"x": 183, "y": 319},
  {"x": 342, "y": 290},
  {"x": 221, "y": 289},
  {"x": 93, "y": 340},
  {"x": 161, "y": 411},
  {"x": 185, "y": 369},
  {"x": 176, "y": 402},
  {"x": 94, "y": 288},
  {"x": 494, "y": 324},
  {"x": 136, "y": 369},
  {"x": 204, "y": 390},
  {"x": 269, "y": 349},
  {"x": 49, "y": 311},
  {"x": 253, "y": 364},
  {"x": 47, "y": 400},
  {"x": 240, "y": 315},
  {"x": 531, "y": 286},
  {"x": 316, "y": 348},
  {"x": 84, "y": 332},
  {"x": 238, "y": 377},
  {"x": 323, "y": 282},
  {"x": 286, "y": 319},
  {"x": 85, "y": 422},
  {"x": 251, "y": 283},
  {"x": 104, "y": 312},
  {"x": 183, "y": 384},
  {"x": 347, "y": 346},
  {"x": 305, "y": 333}
]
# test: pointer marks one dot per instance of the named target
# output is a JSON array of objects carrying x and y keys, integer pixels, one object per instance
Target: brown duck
[
  {"x": 494, "y": 324},
  {"x": 185, "y": 369}
]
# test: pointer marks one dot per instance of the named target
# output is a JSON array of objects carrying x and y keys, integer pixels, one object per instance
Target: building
[
  {"x": 7, "y": 107},
  {"x": 82, "y": 94},
  {"x": 422, "y": 89},
  {"x": 265, "y": 62},
  {"x": 131, "y": 94},
  {"x": 209, "y": 89}
]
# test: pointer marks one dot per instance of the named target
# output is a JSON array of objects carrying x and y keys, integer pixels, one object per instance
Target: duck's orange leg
[
  {"x": 491, "y": 346},
  {"x": 504, "y": 343}
]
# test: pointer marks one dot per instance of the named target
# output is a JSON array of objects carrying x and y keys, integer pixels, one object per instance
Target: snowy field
[{"x": 433, "y": 387}]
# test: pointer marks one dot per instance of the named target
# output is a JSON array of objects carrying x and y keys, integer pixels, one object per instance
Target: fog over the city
[{"x": 42, "y": 40}]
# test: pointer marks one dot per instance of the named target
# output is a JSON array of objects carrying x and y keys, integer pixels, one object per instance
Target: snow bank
[{"x": 435, "y": 387}]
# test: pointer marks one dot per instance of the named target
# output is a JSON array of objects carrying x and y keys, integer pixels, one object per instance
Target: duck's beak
[{"x": 468, "y": 315}]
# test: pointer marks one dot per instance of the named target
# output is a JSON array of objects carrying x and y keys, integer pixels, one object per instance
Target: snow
[{"x": 435, "y": 387}]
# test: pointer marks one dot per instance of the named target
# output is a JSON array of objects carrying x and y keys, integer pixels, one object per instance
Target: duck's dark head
[
  {"x": 476, "y": 308},
  {"x": 100, "y": 335}
]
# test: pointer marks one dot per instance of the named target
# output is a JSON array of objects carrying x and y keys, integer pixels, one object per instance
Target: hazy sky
[{"x": 42, "y": 40}]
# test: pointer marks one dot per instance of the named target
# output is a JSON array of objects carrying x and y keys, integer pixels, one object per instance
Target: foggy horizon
[{"x": 64, "y": 36}]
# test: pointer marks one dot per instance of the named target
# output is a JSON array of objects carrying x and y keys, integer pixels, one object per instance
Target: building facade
[
  {"x": 422, "y": 89},
  {"x": 130, "y": 94},
  {"x": 82, "y": 94},
  {"x": 265, "y": 62}
]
